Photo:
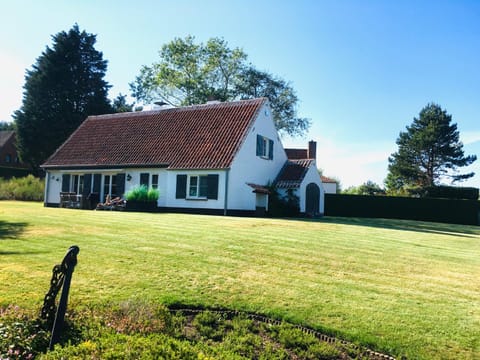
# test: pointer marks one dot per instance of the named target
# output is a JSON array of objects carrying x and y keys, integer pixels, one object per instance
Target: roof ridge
[{"x": 179, "y": 108}]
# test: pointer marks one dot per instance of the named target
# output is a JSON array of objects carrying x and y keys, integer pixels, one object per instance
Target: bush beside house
[
  {"x": 28, "y": 188},
  {"x": 140, "y": 198}
]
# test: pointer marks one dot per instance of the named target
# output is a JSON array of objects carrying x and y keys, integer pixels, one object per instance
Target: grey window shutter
[
  {"x": 87, "y": 184},
  {"x": 212, "y": 186},
  {"x": 270, "y": 149},
  {"x": 97, "y": 182},
  {"x": 144, "y": 179},
  {"x": 65, "y": 182},
  {"x": 120, "y": 184},
  {"x": 259, "y": 145},
  {"x": 181, "y": 191}
]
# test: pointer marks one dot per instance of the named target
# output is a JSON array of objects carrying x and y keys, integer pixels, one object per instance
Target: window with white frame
[
  {"x": 264, "y": 147},
  {"x": 77, "y": 184},
  {"x": 155, "y": 181},
  {"x": 197, "y": 186},
  {"x": 110, "y": 185},
  {"x": 191, "y": 187}
]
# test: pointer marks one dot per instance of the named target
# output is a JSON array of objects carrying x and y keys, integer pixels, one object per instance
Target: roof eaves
[{"x": 104, "y": 166}]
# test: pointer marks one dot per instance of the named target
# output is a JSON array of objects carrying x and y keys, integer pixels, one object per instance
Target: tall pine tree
[
  {"x": 428, "y": 152},
  {"x": 64, "y": 86}
]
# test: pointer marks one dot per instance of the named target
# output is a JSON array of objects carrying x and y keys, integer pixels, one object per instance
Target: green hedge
[
  {"x": 28, "y": 188},
  {"x": 390, "y": 207}
]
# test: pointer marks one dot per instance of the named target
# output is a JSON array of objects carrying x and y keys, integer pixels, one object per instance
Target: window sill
[{"x": 196, "y": 199}]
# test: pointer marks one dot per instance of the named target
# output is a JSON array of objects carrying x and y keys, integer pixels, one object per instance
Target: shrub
[
  {"x": 136, "y": 316},
  {"x": 20, "y": 336},
  {"x": 142, "y": 193},
  {"x": 286, "y": 206},
  {"x": 27, "y": 188}
]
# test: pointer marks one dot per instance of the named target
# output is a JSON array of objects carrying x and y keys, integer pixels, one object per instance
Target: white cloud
[
  {"x": 470, "y": 137},
  {"x": 12, "y": 73},
  {"x": 354, "y": 163}
]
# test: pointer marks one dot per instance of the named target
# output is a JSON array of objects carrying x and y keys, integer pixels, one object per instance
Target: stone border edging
[{"x": 374, "y": 355}]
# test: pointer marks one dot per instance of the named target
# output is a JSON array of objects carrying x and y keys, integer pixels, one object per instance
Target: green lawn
[{"x": 401, "y": 287}]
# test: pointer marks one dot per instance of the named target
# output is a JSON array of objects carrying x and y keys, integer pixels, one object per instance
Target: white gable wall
[{"x": 247, "y": 167}]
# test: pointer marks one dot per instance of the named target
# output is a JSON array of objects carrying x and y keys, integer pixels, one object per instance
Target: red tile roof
[
  {"x": 259, "y": 188},
  {"x": 5, "y": 136},
  {"x": 292, "y": 173},
  {"x": 328, "y": 180},
  {"x": 296, "y": 154},
  {"x": 193, "y": 137}
]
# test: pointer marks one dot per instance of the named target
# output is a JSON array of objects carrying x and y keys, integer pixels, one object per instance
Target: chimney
[{"x": 312, "y": 149}]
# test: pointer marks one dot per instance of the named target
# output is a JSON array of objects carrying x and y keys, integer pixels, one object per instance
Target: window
[
  {"x": 8, "y": 158},
  {"x": 155, "y": 181},
  {"x": 198, "y": 186},
  {"x": 264, "y": 147},
  {"x": 77, "y": 184},
  {"x": 144, "y": 179},
  {"x": 110, "y": 185}
]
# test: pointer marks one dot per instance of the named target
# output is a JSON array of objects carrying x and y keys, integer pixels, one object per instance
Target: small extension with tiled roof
[{"x": 211, "y": 158}]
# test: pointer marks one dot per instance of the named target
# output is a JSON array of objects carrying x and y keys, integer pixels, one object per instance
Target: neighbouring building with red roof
[
  {"x": 213, "y": 158},
  {"x": 329, "y": 185},
  {"x": 8, "y": 151}
]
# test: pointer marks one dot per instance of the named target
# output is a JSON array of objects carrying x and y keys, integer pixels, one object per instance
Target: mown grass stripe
[{"x": 408, "y": 288}]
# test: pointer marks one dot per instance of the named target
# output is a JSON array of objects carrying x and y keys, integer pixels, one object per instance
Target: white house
[
  {"x": 329, "y": 185},
  {"x": 212, "y": 158}
]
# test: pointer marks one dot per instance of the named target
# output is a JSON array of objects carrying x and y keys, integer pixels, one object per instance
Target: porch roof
[{"x": 293, "y": 173}]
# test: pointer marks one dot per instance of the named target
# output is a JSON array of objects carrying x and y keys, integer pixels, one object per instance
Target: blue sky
[{"x": 362, "y": 69}]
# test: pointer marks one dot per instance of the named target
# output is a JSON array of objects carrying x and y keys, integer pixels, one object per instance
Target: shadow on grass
[
  {"x": 469, "y": 231},
  {"x": 11, "y": 230}
]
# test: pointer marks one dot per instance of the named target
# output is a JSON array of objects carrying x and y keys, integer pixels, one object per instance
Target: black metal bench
[{"x": 61, "y": 276}]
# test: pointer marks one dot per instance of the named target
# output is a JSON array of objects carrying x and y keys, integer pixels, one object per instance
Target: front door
[{"x": 312, "y": 199}]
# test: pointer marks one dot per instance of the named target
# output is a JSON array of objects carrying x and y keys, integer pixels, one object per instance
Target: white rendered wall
[
  {"x": 330, "y": 188},
  {"x": 249, "y": 168},
  {"x": 162, "y": 181},
  {"x": 171, "y": 185}
]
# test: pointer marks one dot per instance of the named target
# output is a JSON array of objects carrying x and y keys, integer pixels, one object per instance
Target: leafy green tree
[
  {"x": 367, "y": 188},
  {"x": 120, "y": 104},
  {"x": 253, "y": 83},
  {"x": 429, "y": 151},
  {"x": 189, "y": 73},
  {"x": 64, "y": 86}
]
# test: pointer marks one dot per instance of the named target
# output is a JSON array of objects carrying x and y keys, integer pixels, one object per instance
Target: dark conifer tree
[{"x": 64, "y": 86}]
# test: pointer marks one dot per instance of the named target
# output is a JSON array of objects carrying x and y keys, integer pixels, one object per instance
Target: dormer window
[{"x": 264, "y": 147}]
